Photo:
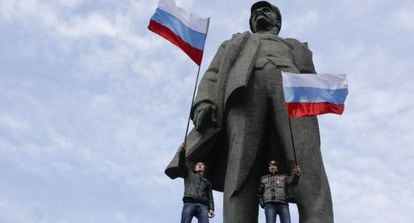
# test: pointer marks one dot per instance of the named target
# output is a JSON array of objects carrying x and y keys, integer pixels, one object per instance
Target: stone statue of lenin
[{"x": 241, "y": 122}]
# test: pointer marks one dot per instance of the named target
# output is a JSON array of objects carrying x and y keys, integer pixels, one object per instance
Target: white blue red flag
[
  {"x": 314, "y": 94},
  {"x": 183, "y": 29}
]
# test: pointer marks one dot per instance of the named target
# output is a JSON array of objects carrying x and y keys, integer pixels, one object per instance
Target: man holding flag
[
  {"x": 198, "y": 195},
  {"x": 241, "y": 117},
  {"x": 188, "y": 32}
]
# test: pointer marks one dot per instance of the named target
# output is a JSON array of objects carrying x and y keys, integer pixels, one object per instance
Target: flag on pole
[
  {"x": 183, "y": 29},
  {"x": 310, "y": 94}
]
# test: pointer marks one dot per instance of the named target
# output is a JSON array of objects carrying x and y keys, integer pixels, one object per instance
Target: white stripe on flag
[
  {"x": 326, "y": 81},
  {"x": 189, "y": 19}
]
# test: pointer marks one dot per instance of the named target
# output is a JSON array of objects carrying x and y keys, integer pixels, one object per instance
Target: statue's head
[
  {"x": 273, "y": 166},
  {"x": 264, "y": 17}
]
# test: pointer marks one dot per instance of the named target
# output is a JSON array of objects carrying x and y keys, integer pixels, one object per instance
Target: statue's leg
[
  {"x": 312, "y": 194},
  {"x": 241, "y": 206},
  {"x": 246, "y": 121},
  {"x": 315, "y": 209}
]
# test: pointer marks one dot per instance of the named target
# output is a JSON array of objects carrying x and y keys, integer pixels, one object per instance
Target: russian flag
[
  {"x": 314, "y": 94},
  {"x": 183, "y": 29}
]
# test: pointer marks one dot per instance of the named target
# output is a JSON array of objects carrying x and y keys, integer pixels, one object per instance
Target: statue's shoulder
[
  {"x": 236, "y": 40},
  {"x": 295, "y": 43},
  {"x": 302, "y": 55},
  {"x": 243, "y": 34},
  {"x": 240, "y": 36}
]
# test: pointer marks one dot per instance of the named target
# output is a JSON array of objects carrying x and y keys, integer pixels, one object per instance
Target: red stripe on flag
[
  {"x": 300, "y": 109},
  {"x": 195, "y": 54}
]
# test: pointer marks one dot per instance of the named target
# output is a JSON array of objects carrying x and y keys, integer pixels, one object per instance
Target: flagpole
[
  {"x": 195, "y": 87},
  {"x": 293, "y": 143}
]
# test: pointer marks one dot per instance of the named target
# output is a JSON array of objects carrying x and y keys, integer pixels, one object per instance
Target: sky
[{"x": 93, "y": 106}]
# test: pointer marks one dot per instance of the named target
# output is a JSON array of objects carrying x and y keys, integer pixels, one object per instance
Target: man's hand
[
  {"x": 261, "y": 203},
  {"x": 205, "y": 115},
  {"x": 211, "y": 214},
  {"x": 182, "y": 147},
  {"x": 296, "y": 170}
]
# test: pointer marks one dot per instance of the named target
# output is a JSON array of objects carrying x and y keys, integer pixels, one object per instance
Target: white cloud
[
  {"x": 68, "y": 3},
  {"x": 13, "y": 123},
  {"x": 365, "y": 182},
  {"x": 302, "y": 24},
  {"x": 93, "y": 24},
  {"x": 404, "y": 19}
]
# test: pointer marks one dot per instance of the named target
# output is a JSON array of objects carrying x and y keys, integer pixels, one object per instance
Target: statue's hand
[{"x": 205, "y": 116}]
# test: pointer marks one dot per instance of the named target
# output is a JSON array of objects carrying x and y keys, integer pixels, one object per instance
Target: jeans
[
  {"x": 190, "y": 210},
  {"x": 275, "y": 208}
]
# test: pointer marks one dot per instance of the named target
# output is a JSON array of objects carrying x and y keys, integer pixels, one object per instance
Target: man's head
[
  {"x": 273, "y": 166},
  {"x": 200, "y": 167},
  {"x": 265, "y": 16}
]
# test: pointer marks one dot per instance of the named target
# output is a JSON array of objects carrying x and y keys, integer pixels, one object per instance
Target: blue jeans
[
  {"x": 275, "y": 208},
  {"x": 190, "y": 210}
]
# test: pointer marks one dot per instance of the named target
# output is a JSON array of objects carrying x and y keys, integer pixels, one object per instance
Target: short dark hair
[
  {"x": 205, "y": 166},
  {"x": 273, "y": 162}
]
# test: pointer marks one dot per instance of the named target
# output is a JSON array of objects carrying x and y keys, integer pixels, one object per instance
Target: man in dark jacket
[
  {"x": 198, "y": 194},
  {"x": 272, "y": 193}
]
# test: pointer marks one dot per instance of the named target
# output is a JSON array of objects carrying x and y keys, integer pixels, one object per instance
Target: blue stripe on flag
[
  {"x": 194, "y": 38},
  {"x": 309, "y": 94}
]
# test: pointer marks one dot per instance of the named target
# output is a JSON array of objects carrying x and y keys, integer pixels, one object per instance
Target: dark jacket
[
  {"x": 197, "y": 189},
  {"x": 273, "y": 188}
]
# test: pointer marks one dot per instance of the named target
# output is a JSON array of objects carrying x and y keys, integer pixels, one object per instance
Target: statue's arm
[
  {"x": 208, "y": 84},
  {"x": 303, "y": 57},
  {"x": 203, "y": 112}
]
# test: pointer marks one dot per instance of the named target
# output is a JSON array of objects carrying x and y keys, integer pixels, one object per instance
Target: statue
[{"x": 241, "y": 122}]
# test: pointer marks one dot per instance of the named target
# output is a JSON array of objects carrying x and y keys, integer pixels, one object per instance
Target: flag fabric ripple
[
  {"x": 314, "y": 94},
  {"x": 183, "y": 29}
]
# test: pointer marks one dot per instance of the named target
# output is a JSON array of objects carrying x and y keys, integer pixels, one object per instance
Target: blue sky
[{"x": 93, "y": 106}]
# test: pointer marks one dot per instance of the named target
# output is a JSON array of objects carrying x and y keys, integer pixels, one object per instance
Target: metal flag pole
[
  {"x": 293, "y": 143},
  {"x": 195, "y": 88}
]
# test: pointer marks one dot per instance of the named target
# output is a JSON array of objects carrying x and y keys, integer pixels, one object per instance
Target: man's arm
[
  {"x": 211, "y": 202},
  {"x": 181, "y": 161},
  {"x": 260, "y": 191},
  {"x": 294, "y": 180}
]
